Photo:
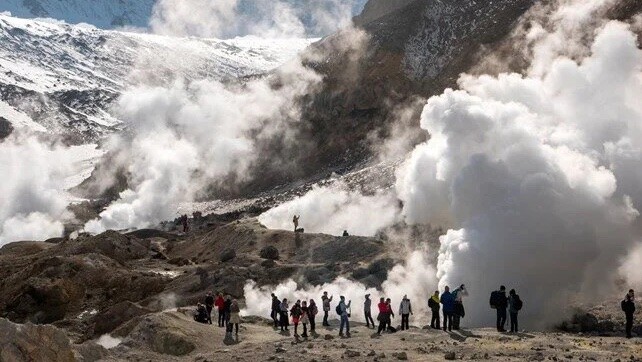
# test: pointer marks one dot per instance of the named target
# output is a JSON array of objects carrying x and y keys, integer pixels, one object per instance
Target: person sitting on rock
[
  {"x": 235, "y": 317},
  {"x": 220, "y": 308},
  {"x": 201, "y": 313},
  {"x": 345, "y": 322},
  {"x": 209, "y": 305},
  {"x": 304, "y": 318},
  {"x": 405, "y": 309},
  {"x": 628, "y": 307},
  {"x": 434, "y": 305},
  {"x": 345, "y": 233},
  {"x": 296, "y": 313},
  {"x": 283, "y": 310}
]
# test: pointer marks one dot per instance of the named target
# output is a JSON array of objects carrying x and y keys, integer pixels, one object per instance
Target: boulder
[
  {"x": 227, "y": 255},
  {"x": 27, "y": 342},
  {"x": 269, "y": 252}
]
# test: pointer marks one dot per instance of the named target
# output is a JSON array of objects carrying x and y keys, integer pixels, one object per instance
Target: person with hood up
[
  {"x": 448, "y": 301},
  {"x": 274, "y": 313},
  {"x": 367, "y": 311},
  {"x": 405, "y": 309},
  {"x": 283, "y": 315},
  {"x": 312, "y": 314},
  {"x": 235, "y": 317},
  {"x": 345, "y": 322},
  {"x": 220, "y": 308},
  {"x": 628, "y": 307},
  {"x": 209, "y": 305},
  {"x": 499, "y": 302},
  {"x": 296, "y": 314},
  {"x": 459, "y": 312},
  {"x": 325, "y": 301},
  {"x": 434, "y": 306},
  {"x": 514, "y": 306}
]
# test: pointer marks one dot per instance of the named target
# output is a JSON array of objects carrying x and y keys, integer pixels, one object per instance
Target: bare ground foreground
[{"x": 174, "y": 336}]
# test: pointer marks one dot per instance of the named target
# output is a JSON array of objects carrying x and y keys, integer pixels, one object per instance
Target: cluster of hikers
[
  {"x": 449, "y": 303},
  {"x": 227, "y": 309}
]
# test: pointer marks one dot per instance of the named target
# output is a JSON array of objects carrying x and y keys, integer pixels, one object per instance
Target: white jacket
[{"x": 405, "y": 307}]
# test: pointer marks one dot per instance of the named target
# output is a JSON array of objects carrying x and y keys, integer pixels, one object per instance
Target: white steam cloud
[
  {"x": 35, "y": 177},
  {"x": 333, "y": 209},
  {"x": 268, "y": 19},
  {"x": 414, "y": 278}
]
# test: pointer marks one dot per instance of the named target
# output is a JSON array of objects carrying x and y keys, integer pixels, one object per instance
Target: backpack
[
  {"x": 431, "y": 303},
  {"x": 623, "y": 305},
  {"x": 338, "y": 309},
  {"x": 518, "y": 303},
  {"x": 494, "y": 299}
]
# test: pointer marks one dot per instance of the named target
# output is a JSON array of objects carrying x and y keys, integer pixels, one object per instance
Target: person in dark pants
[
  {"x": 325, "y": 301},
  {"x": 209, "y": 305},
  {"x": 383, "y": 316},
  {"x": 514, "y": 306},
  {"x": 312, "y": 314},
  {"x": 405, "y": 309},
  {"x": 274, "y": 314},
  {"x": 448, "y": 301},
  {"x": 227, "y": 313},
  {"x": 434, "y": 305},
  {"x": 499, "y": 302},
  {"x": 283, "y": 315},
  {"x": 628, "y": 306},
  {"x": 220, "y": 308},
  {"x": 367, "y": 311}
]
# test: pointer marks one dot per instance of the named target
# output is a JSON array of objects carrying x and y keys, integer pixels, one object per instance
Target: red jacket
[
  {"x": 220, "y": 303},
  {"x": 383, "y": 307}
]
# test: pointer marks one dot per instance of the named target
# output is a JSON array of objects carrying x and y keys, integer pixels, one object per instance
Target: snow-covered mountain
[
  {"x": 101, "y": 13},
  {"x": 62, "y": 78}
]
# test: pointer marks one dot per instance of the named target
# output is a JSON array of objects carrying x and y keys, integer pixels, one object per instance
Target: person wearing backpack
[
  {"x": 514, "y": 306},
  {"x": 499, "y": 302},
  {"x": 405, "y": 309},
  {"x": 448, "y": 302},
  {"x": 628, "y": 307},
  {"x": 296, "y": 312},
  {"x": 434, "y": 305},
  {"x": 325, "y": 301},
  {"x": 342, "y": 310},
  {"x": 459, "y": 312}
]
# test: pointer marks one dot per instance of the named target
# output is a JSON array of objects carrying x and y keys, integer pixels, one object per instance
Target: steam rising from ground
[
  {"x": 333, "y": 209},
  {"x": 415, "y": 278}
]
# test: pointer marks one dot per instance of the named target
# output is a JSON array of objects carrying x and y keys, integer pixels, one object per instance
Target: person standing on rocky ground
[
  {"x": 381, "y": 317},
  {"x": 345, "y": 322},
  {"x": 283, "y": 315},
  {"x": 325, "y": 301},
  {"x": 390, "y": 313},
  {"x": 296, "y": 313},
  {"x": 209, "y": 305},
  {"x": 305, "y": 319},
  {"x": 185, "y": 222},
  {"x": 405, "y": 310},
  {"x": 459, "y": 312},
  {"x": 295, "y": 221},
  {"x": 628, "y": 307},
  {"x": 514, "y": 306},
  {"x": 235, "y": 318},
  {"x": 312, "y": 314},
  {"x": 448, "y": 302},
  {"x": 434, "y": 306},
  {"x": 274, "y": 313},
  {"x": 367, "y": 311},
  {"x": 227, "y": 310},
  {"x": 220, "y": 308},
  {"x": 499, "y": 302}
]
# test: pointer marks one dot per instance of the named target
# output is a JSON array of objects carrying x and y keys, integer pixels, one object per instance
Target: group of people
[
  {"x": 304, "y": 312},
  {"x": 227, "y": 309}
]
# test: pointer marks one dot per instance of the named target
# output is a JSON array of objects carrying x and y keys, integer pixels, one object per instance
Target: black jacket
[
  {"x": 276, "y": 304},
  {"x": 628, "y": 306},
  {"x": 227, "y": 307},
  {"x": 209, "y": 300}
]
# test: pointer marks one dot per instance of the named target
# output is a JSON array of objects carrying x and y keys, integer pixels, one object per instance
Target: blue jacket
[{"x": 448, "y": 300}]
